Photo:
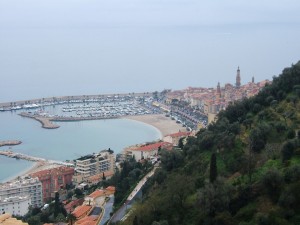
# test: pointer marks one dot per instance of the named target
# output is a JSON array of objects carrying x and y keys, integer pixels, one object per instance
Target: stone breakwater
[
  {"x": 47, "y": 122},
  {"x": 10, "y": 143}
]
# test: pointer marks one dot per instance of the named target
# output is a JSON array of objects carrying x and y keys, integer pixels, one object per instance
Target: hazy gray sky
[{"x": 69, "y": 47}]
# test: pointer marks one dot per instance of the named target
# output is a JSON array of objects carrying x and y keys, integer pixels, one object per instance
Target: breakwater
[
  {"x": 47, "y": 121},
  {"x": 17, "y": 155},
  {"x": 10, "y": 143}
]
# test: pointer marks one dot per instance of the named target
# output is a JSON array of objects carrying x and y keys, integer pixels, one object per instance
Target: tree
[
  {"x": 287, "y": 150},
  {"x": 213, "y": 173},
  {"x": 56, "y": 205},
  {"x": 214, "y": 197},
  {"x": 180, "y": 143},
  {"x": 78, "y": 193},
  {"x": 71, "y": 218},
  {"x": 60, "y": 218},
  {"x": 34, "y": 220},
  {"x": 273, "y": 182},
  {"x": 135, "y": 221}
]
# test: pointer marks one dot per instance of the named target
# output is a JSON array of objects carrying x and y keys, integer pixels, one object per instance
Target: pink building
[{"x": 53, "y": 180}]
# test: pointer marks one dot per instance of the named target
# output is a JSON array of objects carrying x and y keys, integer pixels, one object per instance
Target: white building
[
  {"x": 16, "y": 205},
  {"x": 90, "y": 165},
  {"x": 147, "y": 151},
  {"x": 31, "y": 187}
]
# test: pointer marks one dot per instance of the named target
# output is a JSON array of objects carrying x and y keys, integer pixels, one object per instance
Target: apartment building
[
  {"x": 93, "y": 164},
  {"x": 15, "y": 197},
  {"x": 53, "y": 180}
]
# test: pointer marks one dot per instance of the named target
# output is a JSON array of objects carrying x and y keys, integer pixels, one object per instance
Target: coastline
[
  {"x": 164, "y": 124},
  {"x": 35, "y": 167}
]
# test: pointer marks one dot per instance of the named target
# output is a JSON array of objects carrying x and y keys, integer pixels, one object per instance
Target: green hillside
[{"x": 243, "y": 169}]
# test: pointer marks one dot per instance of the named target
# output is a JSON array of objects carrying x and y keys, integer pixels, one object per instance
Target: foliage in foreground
[{"x": 243, "y": 169}]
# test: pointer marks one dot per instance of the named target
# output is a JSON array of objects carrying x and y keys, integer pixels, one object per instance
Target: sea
[
  {"x": 73, "y": 47},
  {"x": 70, "y": 141}
]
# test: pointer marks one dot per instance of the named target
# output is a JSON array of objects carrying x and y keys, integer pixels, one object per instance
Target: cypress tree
[
  {"x": 213, "y": 173},
  {"x": 56, "y": 205}
]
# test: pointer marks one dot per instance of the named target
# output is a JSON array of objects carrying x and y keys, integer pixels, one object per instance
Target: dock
[
  {"x": 10, "y": 143},
  {"x": 17, "y": 155}
]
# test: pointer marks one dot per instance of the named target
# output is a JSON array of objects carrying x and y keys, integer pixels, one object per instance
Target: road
[{"x": 119, "y": 215}]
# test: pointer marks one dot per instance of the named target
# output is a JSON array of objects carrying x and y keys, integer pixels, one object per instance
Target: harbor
[{"x": 111, "y": 107}]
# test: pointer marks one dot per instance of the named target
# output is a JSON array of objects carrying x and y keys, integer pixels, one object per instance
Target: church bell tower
[{"x": 238, "y": 78}]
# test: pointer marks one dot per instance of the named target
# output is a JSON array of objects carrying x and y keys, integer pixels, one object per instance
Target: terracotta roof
[
  {"x": 96, "y": 194},
  {"x": 152, "y": 147},
  {"x": 110, "y": 188},
  {"x": 6, "y": 219},
  {"x": 87, "y": 220},
  {"x": 99, "y": 176},
  {"x": 70, "y": 206},
  {"x": 180, "y": 134},
  {"x": 58, "y": 170},
  {"x": 81, "y": 210}
]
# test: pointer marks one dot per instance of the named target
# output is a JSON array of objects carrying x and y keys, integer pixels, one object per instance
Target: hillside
[{"x": 243, "y": 169}]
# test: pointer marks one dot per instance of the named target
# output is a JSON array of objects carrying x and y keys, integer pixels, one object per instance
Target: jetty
[
  {"x": 10, "y": 143},
  {"x": 17, "y": 155}
]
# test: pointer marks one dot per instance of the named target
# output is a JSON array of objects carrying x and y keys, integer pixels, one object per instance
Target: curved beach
[{"x": 164, "y": 124}]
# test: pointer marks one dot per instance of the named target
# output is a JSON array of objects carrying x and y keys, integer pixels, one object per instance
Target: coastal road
[{"x": 121, "y": 213}]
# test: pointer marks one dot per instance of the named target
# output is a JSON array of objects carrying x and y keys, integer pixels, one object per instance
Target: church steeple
[
  {"x": 238, "y": 78},
  {"x": 219, "y": 90}
]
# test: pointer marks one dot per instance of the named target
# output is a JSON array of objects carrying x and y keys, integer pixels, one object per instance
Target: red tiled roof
[
  {"x": 96, "y": 194},
  {"x": 98, "y": 177},
  {"x": 81, "y": 210},
  {"x": 61, "y": 169},
  {"x": 70, "y": 206},
  {"x": 88, "y": 219},
  {"x": 110, "y": 188},
  {"x": 152, "y": 147},
  {"x": 180, "y": 134}
]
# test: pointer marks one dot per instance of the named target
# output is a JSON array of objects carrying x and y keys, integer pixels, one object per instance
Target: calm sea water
[{"x": 70, "y": 141}]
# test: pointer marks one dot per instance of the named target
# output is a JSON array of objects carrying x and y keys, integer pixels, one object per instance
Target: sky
[{"x": 73, "y": 47}]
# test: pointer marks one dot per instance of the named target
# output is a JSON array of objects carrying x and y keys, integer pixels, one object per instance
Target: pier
[
  {"x": 17, "y": 155},
  {"x": 45, "y": 121},
  {"x": 10, "y": 143}
]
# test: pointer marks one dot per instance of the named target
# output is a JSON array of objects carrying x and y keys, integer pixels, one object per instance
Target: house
[
  {"x": 147, "y": 151},
  {"x": 174, "y": 138},
  {"x": 81, "y": 211}
]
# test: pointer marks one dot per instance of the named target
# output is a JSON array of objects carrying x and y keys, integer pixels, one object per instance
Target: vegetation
[
  {"x": 126, "y": 179},
  {"x": 243, "y": 169}
]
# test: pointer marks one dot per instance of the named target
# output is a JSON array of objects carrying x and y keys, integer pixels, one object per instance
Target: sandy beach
[
  {"x": 37, "y": 166},
  {"x": 164, "y": 124}
]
